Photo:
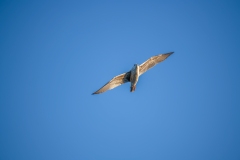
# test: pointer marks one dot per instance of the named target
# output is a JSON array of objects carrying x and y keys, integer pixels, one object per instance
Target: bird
[{"x": 133, "y": 75}]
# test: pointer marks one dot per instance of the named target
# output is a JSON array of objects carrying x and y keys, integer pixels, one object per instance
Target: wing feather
[
  {"x": 115, "y": 82},
  {"x": 151, "y": 62}
]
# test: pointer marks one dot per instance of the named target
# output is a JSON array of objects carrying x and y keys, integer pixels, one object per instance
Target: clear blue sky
[{"x": 54, "y": 54}]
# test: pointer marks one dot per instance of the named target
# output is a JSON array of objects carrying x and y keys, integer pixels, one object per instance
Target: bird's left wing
[
  {"x": 115, "y": 82},
  {"x": 151, "y": 62}
]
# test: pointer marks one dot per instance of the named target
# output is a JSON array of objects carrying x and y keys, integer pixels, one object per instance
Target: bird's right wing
[
  {"x": 115, "y": 82},
  {"x": 151, "y": 62}
]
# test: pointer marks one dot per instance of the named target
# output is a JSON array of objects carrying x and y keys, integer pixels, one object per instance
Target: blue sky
[{"x": 54, "y": 54}]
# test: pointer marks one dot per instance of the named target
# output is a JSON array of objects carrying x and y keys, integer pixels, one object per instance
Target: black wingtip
[{"x": 169, "y": 53}]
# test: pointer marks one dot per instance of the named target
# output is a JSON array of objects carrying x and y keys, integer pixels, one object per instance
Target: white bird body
[{"x": 134, "y": 77}]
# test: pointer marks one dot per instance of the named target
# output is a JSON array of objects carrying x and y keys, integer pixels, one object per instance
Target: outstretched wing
[
  {"x": 115, "y": 82},
  {"x": 151, "y": 62}
]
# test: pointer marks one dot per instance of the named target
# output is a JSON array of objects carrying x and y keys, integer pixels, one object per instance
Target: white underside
[{"x": 134, "y": 75}]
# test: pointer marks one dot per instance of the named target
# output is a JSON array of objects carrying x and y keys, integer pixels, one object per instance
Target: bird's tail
[{"x": 132, "y": 88}]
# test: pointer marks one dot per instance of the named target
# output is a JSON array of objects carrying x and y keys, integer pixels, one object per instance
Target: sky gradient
[{"x": 55, "y": 54}]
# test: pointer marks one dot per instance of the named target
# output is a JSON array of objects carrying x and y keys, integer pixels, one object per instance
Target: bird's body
[{"x": 133, "y": 75}]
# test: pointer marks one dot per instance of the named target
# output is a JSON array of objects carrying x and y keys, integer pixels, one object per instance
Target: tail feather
[{"x": 133, "y": 88}]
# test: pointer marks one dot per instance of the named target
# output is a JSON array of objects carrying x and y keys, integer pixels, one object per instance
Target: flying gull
[{"x": 133, "y": 75}]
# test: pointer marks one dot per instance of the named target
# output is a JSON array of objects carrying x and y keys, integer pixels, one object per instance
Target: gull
[{"x": 133, "y": 75}]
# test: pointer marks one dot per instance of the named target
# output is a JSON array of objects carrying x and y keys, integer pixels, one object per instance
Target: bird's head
[{"x": 135, "y": 66}]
